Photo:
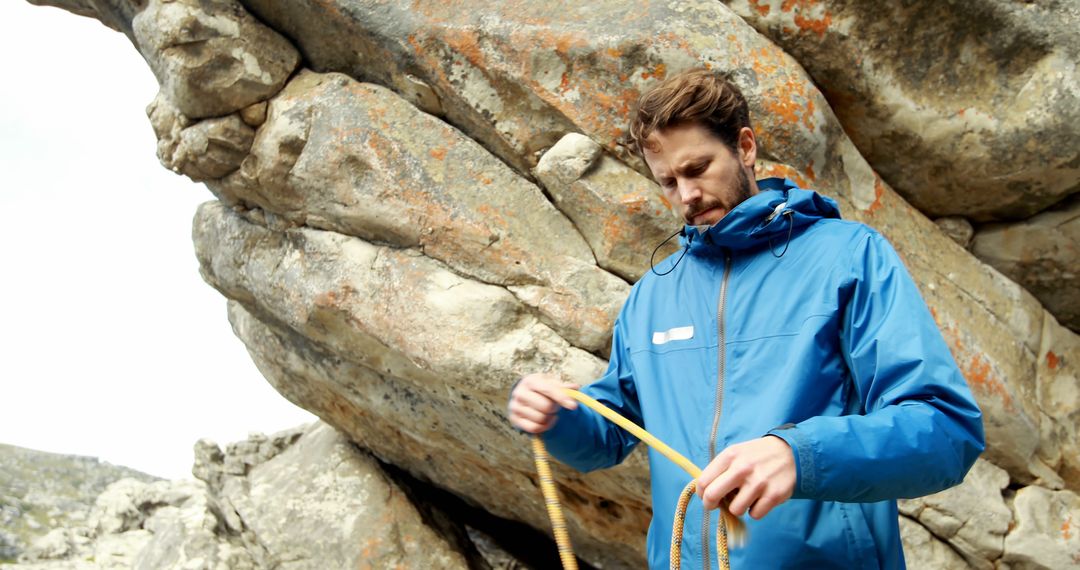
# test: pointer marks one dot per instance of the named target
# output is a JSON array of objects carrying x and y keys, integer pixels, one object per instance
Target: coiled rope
[{"x": 728, "y": 523}]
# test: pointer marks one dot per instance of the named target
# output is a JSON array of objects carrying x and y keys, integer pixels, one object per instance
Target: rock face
[{"x": 439, "y": 202}]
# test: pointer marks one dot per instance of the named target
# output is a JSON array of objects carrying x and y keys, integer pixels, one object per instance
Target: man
[{"x": 786, "y": 349}]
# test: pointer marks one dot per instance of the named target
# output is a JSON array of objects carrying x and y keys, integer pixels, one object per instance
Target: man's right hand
[{"x": 535, "y": 402}]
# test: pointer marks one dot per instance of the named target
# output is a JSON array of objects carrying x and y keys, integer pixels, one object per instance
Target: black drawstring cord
[
  {"x": 791, "y": 226},
  {"x": 652, "y": 265}
]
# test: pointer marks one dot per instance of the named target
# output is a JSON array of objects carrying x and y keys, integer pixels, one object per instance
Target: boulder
[
  {"x": 618, "y": 211},
  {"x": 949, "y": 515},
  {"x": 959, "y": 121},
  {"x": 315, "y": 501},
  {"x": 923, "y": 550},
  {"x": 398, "y": 390},
  {"x": 958, "y": 228},
  {"x": 203, "y": 150},
  {"x": 1046, "y": 535},
  {"x": 1042, "y": 253},
  {"x": 116, "y": 14},
  {"x": 397, "y": 256},
  {"x": 211, "y": 57},
  {"x": 399, "y": 176}
]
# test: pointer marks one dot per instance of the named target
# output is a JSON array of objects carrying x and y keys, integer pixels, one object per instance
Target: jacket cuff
[{"x": 803, "y": 450}]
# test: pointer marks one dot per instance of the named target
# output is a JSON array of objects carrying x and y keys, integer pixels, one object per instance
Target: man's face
[{"x": 701, "y": 177}]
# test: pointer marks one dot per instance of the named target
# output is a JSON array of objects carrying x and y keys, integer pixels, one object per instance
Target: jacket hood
[{"x": 778, "y": 210}]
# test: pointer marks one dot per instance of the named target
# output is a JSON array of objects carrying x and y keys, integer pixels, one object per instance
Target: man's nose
[{"x": 689, "y": 192}]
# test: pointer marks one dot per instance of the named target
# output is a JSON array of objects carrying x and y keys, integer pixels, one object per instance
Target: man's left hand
[{"x": 762, "y": 471}]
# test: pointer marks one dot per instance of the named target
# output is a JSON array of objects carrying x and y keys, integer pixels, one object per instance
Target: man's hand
[
  {"x": 535, "y": 401},
  {"x": 761, "y": 470}
]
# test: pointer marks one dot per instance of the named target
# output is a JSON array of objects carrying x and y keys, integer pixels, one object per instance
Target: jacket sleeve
[
  {"x": 919, "y": 429},
  {"x": 585, "y": 440}
]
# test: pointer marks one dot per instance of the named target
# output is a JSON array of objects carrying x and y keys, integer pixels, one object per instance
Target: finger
[
  {"x": 529, "y": 426},
  {"x": 749, "y": 492},
  {"x": 718, "y": 465},
  {"x": 722, "y": 486},
  {"x": 536, "y": 401},
  {"x": 554, "y": 391},
  {"x": 764, "y": 504},
  {"x": 530, "y": 414}
]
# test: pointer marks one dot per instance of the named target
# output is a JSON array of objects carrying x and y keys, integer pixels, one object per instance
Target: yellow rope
[
  {"x": 551, "y": 499},
  {"x": 728, "y": 522}
]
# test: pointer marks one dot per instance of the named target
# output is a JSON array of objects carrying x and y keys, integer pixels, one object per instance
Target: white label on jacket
[{"x": 677, "y": 333}]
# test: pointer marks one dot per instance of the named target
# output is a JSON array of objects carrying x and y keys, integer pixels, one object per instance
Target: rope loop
[{"x": 728, "y": 522}]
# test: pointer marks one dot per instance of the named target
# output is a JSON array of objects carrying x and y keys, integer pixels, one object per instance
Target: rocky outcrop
[
  {"x": 318, "y": 503},
  {"x": 300, "y": 499},
  {"x": 42, "y": 492},
  {"x": 133, "y": 524},
  {"x": 440, "y": 202},
  {"x": 461, "y": 55}
]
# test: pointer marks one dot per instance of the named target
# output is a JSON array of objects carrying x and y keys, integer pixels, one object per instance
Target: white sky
[{"x": 111, "y": 345}]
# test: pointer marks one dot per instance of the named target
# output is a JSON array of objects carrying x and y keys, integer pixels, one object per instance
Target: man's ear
[{"x": 747, "y": 147}]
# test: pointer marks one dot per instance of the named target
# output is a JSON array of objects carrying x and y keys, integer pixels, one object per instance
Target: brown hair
[{"x": 696, "y": 95}]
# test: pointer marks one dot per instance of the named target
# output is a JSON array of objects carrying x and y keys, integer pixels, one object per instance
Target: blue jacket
[{"x": 784, "y": 319}]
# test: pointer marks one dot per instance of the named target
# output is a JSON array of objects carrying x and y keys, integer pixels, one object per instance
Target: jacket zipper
[{"x": 721, "y": 361}]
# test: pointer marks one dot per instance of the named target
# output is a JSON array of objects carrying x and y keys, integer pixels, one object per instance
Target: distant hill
[{"x": 41, "y": 491}]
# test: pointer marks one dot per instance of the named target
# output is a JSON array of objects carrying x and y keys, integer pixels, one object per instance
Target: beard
[{"x": 735, "y": 196}]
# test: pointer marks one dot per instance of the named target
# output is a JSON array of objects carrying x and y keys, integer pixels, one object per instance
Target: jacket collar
[{"x": 774, "y": 213}]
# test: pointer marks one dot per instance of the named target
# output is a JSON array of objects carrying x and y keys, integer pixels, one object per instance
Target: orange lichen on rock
[
  {"x": 1066, "y": 528},
  {"x": 659, "y": 72},
  {"x": 981, "y": 378},
  {"x": 802, "y": 17},
  {"x": 879, "y": 191},
  {"x": 466, "y": 43},
  {"x": 438, "y": 153},
  {"x": 762, "y": 9},
  {"x": 665, "y": 202},
  {"x": 634, "y": 203},
  {"x": 783, "y": 104},
  {"x": 1052, "y": 360},
  {"x": 779, "y": 170}
]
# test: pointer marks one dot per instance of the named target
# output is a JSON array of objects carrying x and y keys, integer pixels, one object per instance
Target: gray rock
[
  {"x": 950, "y": 515},
  {"x": 1041, "y": 253},
  {"x": 960, "y": 122},
  {"x": 44, "y": 492},
  {"x": 203, "y": 150},
  {"x": 422, "y": 184},
  {"x": 622, "y": 214},
  {"x": 923, "y": 551},
  {"x": 116, "y": 14},
  {"x": 1045, "y": 536},
  {"x": 958, "y": 228},
  {"x": 212, "y": 57},
  {"x": 464, "y": 443},
  {"x": 322, "y": 503}
]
